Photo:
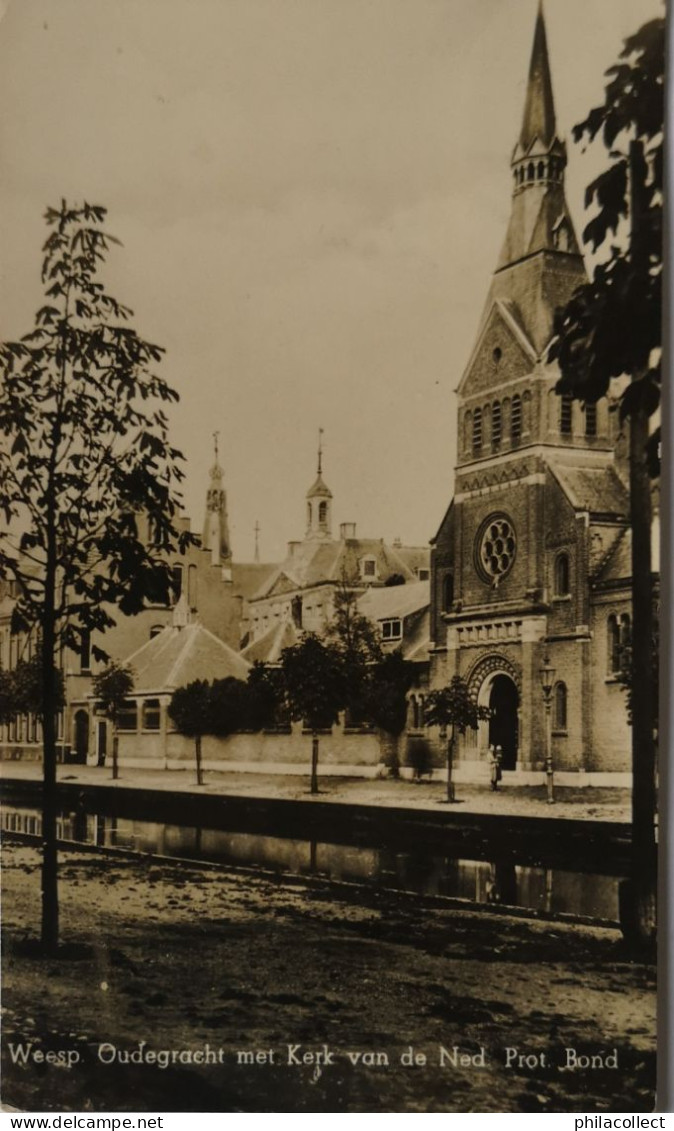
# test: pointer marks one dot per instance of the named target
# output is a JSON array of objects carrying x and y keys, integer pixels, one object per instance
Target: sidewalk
[{"x": 587, "y": 804}]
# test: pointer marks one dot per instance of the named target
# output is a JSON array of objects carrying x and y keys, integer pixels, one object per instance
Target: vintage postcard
[{"x": 330, "y": 368}]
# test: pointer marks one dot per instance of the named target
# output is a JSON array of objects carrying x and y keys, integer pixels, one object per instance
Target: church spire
[
  {"x": 319, "y": 501},
  {"x": 538, "y": 123},
  {"x": 216, "y": 526}
]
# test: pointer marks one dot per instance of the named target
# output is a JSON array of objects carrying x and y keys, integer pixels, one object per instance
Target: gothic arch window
[
  {"x": 560, "y": 706},
  {"x": 590, "y": 419},
  {"x": 613, "y": 644},
  {"x": 496, "y": 425},
  {"x": 562, "y": 587},
  {"x": 176, "y": 584},
  {"x": 85, "y": 650},
  {"x": 566, "y": 414},
  {"x": 448, "y": 592},
  {"x": 468, "y": 430},
  {"x": 526, "y": 412},
  {"x": 477, "y": 429},
  {"x": 516, "y": 419},
  {"x": 530, "y": 171},
  {"x": 541, "y": 170}
]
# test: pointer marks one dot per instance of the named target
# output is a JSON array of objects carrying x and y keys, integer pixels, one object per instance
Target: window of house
[
  {"x": 477, "y": 429},
  {"x": 176, "y": 585},
  {"x": 496, "y": 425},
  {"x": 308, "y": 514},
  {"x": 562, "y": 575},
  {"x": 448, "y": 592},
  {"x": 151, "y": 714},
  {"x": 590, "y": 420},
  {"x": 516, "y": 419},
  {"x": 560, "y": 700},
  {"x": 392, "y": 629},
  {"x": 423, "y": 574},
  {"x": 613, "y": 644},
  {"x": 85, "y": 651},
  {"x": 368, "y": 567},
  {"x": 322, "y": 512},
  {"x": 566, "y": 414},
  {"x": 127, "y": 718}
]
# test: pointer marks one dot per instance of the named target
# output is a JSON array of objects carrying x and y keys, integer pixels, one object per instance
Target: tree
[
  {"x": 112, "y": 688},
  {"x": 316, "y": 689},
  {"x": 265, "y": 699},
  {"x": 387, "y": 684},
  {"x": 229, "y": 707},
  {"x": 21, "y": 689},
  {"x": 612, "y": 328},
  {"x": 453, "y": 707},
  {"x": 190, "y": 709},
  {"x": 85, "y": 461},
  {"x": 355, "y": 639}
]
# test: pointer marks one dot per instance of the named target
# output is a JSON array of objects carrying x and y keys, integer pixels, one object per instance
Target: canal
[{"x": 490, "y": 870}]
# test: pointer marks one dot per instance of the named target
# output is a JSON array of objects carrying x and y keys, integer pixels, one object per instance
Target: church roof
[
  {"x": 178, "y": 656},
  {"x": 599, "y": 490},
  {"x": 331, "y": 560},
  {"x": 395, "y": 600},
  {"x": 247, "y": 577},
  {"x": 538, "y": 122}
]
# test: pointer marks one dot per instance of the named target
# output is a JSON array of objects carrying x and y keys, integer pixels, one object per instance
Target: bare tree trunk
[
  {"x": 50, "y": 903},
  {"x": 314, "y": 763},
  {"x": 451, "y": 792},
  {"x": 638, "y": 897},
  {"x": 197, "y": 748},
  {"x": 115, "y": 754}
]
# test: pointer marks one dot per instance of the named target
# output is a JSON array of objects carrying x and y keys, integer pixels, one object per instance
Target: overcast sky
[{"x": 311, "y": 195}]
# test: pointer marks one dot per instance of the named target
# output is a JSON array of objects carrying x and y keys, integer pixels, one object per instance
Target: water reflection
[{"x": 423, "y": 871}]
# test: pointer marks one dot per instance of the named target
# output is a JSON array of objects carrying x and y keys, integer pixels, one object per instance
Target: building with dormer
[
  {"x": 532, "y": 556},
  {"x": 298, "y": 596}
]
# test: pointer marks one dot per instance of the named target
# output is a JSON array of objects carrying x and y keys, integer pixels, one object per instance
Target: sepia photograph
[{"x": 330, "y": 455}]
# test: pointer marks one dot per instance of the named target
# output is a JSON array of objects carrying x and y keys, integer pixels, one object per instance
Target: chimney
[{"x": 347, "y": 530}]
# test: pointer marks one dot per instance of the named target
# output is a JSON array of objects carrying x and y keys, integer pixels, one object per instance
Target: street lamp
[{"x": 547, "y": 674}]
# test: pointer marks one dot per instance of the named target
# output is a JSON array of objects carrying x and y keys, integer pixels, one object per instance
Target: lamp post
[{"x": 547, "y": 674}]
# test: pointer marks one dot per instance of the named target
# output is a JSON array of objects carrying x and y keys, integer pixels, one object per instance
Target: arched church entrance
[
  {"x": 81, "y": 735},
  {"x": 503, "y": 724}
]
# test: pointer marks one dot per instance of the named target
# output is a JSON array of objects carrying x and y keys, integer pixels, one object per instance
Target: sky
[{"x": 311, "y": 197}]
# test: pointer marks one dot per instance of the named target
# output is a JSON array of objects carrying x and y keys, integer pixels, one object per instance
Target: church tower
[
  {"x": 319, "y": 501},
  {"x": 538, "y": 501},
  {"x": 216, "y": 527}
]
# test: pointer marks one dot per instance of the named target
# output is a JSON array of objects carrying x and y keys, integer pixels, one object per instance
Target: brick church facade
[{"x": 532, "y": 558}]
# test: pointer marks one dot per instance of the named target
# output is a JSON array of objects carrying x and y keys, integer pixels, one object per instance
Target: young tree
[
  {"x": 21, "y": 689},
  {"x": 611, "y": 328},
  {"x": 85, "y": 459},
  {"x": 387, "y": 684},
  {"x": 356, "y": 640},
  {"x": 112, "y": 688},
  {"x": 316, "y": 689},
  {"x": 454, "y": 708},
  {"x": 190, "y": 709}
]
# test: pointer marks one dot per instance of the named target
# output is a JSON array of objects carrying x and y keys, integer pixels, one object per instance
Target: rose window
[{"x": 497, "y": 545}]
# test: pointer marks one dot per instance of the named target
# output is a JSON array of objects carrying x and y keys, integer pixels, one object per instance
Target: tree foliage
[
  {"x": 388, "y": 682},
  {"x": 453, "y": 706},
  {"x": 21, "y": 689},
  {"x": 612, "y": 326},
  {"x": 112, "y": 688},
  {"x": 315, "y": 682},
  {"x": 87, "y": 447},
  {"x": 190, "y": 708}
]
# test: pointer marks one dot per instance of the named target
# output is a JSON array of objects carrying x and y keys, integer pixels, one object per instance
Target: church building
[{"x": 530, "y": 569}]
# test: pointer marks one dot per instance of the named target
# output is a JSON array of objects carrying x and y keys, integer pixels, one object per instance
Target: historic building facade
[{"x": 532, "y": 559}]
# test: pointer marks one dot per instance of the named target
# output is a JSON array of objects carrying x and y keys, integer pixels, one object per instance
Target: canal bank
[{"x": 183, "y": 958}]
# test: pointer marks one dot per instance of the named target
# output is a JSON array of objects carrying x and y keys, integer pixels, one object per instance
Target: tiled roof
[
  {"x": 314, "y": 562},
  {"x": 268, "y": 647},
  {"x": 247, "y": 577},
  {"x": 598, "y": 490},
  {"x": 177, "y": 656},
  {"x": 395, "y": 600}
]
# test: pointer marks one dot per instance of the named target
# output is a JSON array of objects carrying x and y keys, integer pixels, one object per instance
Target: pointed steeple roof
[{"x": 538, "y": 122}]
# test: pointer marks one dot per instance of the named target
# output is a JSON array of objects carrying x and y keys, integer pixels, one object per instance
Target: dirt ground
[{"x": 202, "y": 963}]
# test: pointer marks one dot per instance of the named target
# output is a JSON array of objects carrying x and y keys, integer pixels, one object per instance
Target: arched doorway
[
  {"x": 503, "y": 724},
  {"x": 81, "y": 735}
]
